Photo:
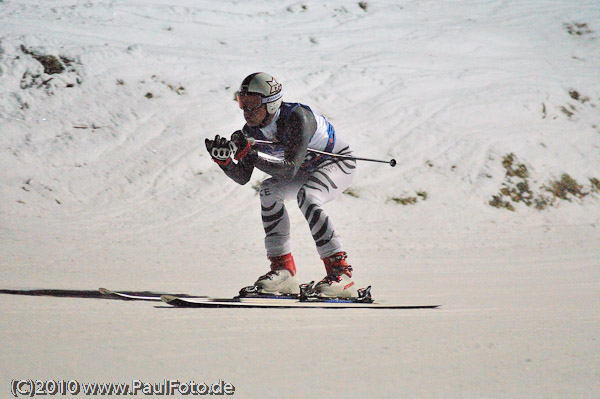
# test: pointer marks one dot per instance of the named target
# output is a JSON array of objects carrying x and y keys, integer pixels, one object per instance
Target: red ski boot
[
  {"x": 338, "y": 282},
  {"x": 282, "y": 277}
]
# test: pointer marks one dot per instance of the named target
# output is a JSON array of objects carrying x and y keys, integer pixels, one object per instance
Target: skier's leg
[
  {"x": 275, "y": 217},
  {"x": 281, "y": 277},
  {"x": 324, "y": 185}
]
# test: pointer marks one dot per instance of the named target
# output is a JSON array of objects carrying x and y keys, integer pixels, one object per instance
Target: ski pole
[{"x": 391, "y": 162}]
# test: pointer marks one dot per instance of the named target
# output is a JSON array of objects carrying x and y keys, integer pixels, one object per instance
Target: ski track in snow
[{"x": 105, "y": 181}]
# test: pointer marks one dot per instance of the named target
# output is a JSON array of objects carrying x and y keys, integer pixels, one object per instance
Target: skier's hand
[
  {"x": 239, "y": 145},
  {"x": 219, "y": 149}
]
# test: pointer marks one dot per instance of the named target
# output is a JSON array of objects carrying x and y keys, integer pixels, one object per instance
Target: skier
[{"x": 310, "y": 178}]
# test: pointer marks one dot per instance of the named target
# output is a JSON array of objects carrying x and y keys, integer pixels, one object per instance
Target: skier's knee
[
  {"x": 267, "y": 188},
  {"x": 307, "y": 197},
  {"x": 301, "y": 196}
]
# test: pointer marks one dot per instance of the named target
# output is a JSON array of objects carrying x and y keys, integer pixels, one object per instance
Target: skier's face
[{"x": 254, "y": 111}]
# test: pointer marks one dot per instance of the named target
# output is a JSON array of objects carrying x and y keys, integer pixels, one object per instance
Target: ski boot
[
  {"x": 280, "y": 281},
  {"x": 338, "y": 282}
]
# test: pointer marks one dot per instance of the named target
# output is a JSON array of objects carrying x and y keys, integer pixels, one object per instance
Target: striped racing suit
[{"x": 312, "y": 179}]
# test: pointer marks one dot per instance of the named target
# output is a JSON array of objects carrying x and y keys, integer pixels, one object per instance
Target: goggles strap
[{"x": 270, "y": 99}]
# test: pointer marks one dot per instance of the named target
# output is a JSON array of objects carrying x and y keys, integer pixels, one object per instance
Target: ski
[
  {"x": 332, "y": 303},
  {"x": 139, "y": 295},
  {"x": 250, "y": 297}
]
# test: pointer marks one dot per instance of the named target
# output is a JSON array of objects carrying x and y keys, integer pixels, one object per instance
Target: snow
[{"x": 105, "y": 181}]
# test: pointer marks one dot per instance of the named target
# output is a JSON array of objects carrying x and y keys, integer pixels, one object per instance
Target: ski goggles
[
  {"x": 249, "y": 103},
  {"x": 252, "y": 102}
]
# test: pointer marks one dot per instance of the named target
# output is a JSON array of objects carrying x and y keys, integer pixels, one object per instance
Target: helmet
[{"x": 266, "y": 86}]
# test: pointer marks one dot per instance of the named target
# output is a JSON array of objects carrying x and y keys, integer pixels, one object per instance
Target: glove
[
  {"x": 219, "y": 149},
  {"x": 239, "y": 145}
]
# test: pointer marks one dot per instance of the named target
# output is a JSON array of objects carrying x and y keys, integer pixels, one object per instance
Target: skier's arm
[
  {"x": 220, "y": 150},
  {"x": 242, "y": 171},
  {"x": 297, "y": 135}
]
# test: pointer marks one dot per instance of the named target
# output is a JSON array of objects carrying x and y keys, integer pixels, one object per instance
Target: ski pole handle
[{"x": 391, "y": 162}]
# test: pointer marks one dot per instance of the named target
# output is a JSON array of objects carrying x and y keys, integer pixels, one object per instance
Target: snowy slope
[{"x": 105, "y": 181}]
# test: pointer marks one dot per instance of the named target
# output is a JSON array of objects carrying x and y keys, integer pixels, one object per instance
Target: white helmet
[{"x": 266, "y": 86}]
